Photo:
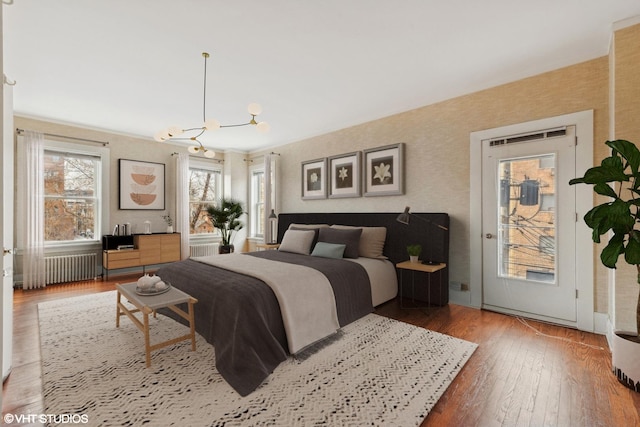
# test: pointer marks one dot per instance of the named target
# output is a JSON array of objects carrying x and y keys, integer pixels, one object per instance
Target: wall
[
  {"x": 626, "y": 125},
  {"x": 135, "y": 148},
  {"x": 437, "y": 149}
]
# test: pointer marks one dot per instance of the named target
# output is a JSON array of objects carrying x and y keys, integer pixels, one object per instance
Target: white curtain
[
  {"x": 182, "y": 202},
  {"x": 33, "y": 260},
  {"x": 270, "y": 170}
]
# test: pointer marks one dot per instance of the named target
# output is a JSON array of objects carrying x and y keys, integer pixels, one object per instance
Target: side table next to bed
[{"x": 148, "y": 304}]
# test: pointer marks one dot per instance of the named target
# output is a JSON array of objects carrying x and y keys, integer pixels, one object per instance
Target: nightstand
[{"x": 424, "y": 268}]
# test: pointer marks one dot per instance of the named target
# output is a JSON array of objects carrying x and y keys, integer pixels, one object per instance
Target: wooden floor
[{"x": 516, "y": 377}]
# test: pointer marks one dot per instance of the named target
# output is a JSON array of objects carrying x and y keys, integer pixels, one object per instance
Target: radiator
[
  {"x": 70, "y": 268},
  {"x": 203, "y": 250}
]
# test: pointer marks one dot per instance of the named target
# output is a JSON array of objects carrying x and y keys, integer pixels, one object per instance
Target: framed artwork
[
  {"x": 344, "y": 175},
  {"x": 314, "y": 179},
  {"x": 384, "y": 170},
  {"x": 141, "y": 185}
]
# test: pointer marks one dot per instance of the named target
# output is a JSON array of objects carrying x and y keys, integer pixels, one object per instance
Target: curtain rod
[
  {"x": 261, "y": 155},
  {"x": 199, "y": 158},
  {"x": 104, "y": 143}
]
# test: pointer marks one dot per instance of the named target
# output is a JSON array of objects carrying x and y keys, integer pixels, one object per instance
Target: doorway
[{"x": 527, "y": 233}]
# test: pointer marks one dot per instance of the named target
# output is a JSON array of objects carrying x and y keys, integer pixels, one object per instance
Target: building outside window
[
  {"x": 72, "y": 200},
  {"x": 205, "y": 187}
]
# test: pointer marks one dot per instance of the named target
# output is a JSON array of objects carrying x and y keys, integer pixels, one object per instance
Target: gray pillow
[
  {"x": 297, "y": 241},
  {"x": 350, "y": 238},
  {"x": 328, "y": 250}
]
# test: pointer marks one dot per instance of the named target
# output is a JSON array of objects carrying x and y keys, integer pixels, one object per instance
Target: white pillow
[{"x": 297, "y": 241}]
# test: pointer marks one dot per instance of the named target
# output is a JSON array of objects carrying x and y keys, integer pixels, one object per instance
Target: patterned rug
[{"x": 380, "y": 372}]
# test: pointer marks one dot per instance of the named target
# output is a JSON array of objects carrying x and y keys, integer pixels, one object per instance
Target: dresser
[{"x": 148, "y": 249}]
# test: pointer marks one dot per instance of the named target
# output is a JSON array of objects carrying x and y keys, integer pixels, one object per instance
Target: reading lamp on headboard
[{"x": 406, "y": 216}]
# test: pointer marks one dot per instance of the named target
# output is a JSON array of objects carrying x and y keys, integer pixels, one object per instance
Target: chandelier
[{"x": 176, "y": 133}]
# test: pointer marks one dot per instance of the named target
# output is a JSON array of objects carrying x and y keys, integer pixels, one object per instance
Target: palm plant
[{"x": 225, "y": 216}]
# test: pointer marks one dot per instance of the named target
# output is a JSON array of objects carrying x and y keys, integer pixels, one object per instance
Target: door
[
  {"x": 6, "y": 232},
  {"x": 528, "y": 222}
]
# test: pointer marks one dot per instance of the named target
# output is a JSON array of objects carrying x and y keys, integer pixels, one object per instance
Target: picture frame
[
  {"x": 141, "y": 185},
  {"x": 314, "y": 179},
  {"x": 345, "y": 175},
  {"x": 384, "y": 170}
]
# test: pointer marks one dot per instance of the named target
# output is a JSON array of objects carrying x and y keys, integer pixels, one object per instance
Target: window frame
[
  {"x": 254, "y": 194},
  {"x": 102, "y": 198}
]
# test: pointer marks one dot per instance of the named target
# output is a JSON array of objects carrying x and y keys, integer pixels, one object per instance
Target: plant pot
[
  {"x": 625, "y": 352},
  {"x": 169, "y": 229},
  {"x": 413, "y": 258},
  {"x": 225, "y": 249}
]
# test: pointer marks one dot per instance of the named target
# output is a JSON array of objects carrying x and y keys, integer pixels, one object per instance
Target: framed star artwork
[
  {"x": 384, "y": 170},
  {"x": 314, "y": 179},
  {"x": 344, "y": 175}
]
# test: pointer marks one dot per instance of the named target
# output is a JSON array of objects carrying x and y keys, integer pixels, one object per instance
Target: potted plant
[
  {"x": 414, "y": 252},
  {"x": 225, "y": 217},
  {"x": 621, "y": 216},
  {"x": 169, "y": 221}
]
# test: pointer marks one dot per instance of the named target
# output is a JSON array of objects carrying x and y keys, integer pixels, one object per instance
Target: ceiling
[{"x": 135, "y": 67}]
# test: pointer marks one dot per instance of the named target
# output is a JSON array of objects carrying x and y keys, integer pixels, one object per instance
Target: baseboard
[{"x": 459, "y": 297}]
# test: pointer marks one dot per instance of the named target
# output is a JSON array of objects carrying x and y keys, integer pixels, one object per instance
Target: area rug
[{"x": 380, "y": 372}]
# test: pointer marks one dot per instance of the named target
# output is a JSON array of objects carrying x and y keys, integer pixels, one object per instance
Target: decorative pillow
[
  {"x": 328, "y": 250},
  {"x": 350, "y": 238},
  {"x": 297, "y": 241},
  {"x": 371, "y": 241},
  {"x": 316, "y": 233}
]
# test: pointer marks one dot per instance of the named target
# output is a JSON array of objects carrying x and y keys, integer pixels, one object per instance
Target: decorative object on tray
[
  {"x": 151, "y": 285},
  {"x": 384, "y": 170},
  {"x": 314, "y": 181},
  {"x": 167, "y": 218},
  {"x": 414, "y": 252},
  {"x": 141, "y": 185},
  {"x": 344, "y": 175},
  {"x": 225, "y": 216}
]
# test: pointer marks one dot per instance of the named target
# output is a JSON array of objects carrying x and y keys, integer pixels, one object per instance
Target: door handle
[
  {"x": 489, "y": 236},
  {"x": 6, "y": 251}
]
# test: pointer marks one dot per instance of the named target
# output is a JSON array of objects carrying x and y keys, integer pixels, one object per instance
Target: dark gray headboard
[{"x": 434, "y": 240}]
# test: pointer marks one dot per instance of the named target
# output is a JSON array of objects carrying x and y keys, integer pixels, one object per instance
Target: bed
[{"x": 258, "y": 309}]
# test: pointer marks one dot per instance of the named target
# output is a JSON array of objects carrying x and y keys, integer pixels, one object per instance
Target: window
[
  {"x": 257, "y": 202},
  {"x": 205, "y": 187},
  {"x": 72, "y": 199}
]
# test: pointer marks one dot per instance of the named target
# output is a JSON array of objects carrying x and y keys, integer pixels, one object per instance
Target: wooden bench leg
[
  {"x": 118, "y": 310},
  {"x": 147, "y": 341},
  {"x": 192, "y": 325}
]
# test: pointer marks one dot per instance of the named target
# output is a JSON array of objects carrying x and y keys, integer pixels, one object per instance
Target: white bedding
[{"x": 383, "y": 278}]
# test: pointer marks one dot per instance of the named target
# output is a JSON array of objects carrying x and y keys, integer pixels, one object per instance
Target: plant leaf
[
  {"x": 612, "y": 251},
  {"x": 628, "y": 151}
]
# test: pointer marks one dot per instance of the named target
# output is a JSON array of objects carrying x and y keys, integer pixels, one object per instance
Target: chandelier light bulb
[
  {"x": 175, "y": 131},
  {"x": 160, "y": 136},
  {"x": 212, "y": 124},
  {"x": 193, "y": 149},
  {"x": 263, "y": 127},
  {"x": 254, "y": 109},
  {"x": 210, "y": 154}
]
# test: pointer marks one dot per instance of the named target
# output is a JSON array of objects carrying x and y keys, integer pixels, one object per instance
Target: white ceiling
[{"x": 135, "y": 67}]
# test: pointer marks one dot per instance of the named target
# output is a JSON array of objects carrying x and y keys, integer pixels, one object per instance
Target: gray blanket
[{"x": 240, "y": 316}]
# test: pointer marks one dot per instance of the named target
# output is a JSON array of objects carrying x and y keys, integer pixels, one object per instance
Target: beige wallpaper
[
  {"x": 627, "y": 126},
  {"x": 437, "y": 148}
]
